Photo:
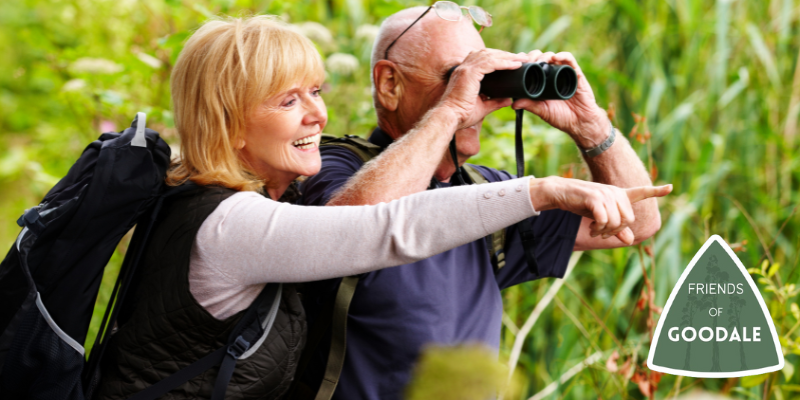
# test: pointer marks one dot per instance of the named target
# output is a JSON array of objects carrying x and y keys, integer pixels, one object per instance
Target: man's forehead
[
  {"x": 451, "y": 42},
  {"x": 447, "y": 42}
]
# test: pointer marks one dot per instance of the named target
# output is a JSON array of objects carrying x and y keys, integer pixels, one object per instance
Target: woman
[{"x": 249, "y": 114}]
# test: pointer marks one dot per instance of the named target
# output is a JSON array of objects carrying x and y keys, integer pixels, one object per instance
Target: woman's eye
[
  {"x": 315, "y": 92},
  {"x": 289, "y": 102}
]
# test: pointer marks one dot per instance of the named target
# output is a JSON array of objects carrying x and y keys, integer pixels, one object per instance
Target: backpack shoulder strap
[
  {"x": 332, "y": 319},
  {"x": 497, "y": 240},
  {"x": 475, "y": 174},
  {"x": 336, "y": 353},
  {"x": 364, "y": 149},
  {"x": 249, "y": 332}
]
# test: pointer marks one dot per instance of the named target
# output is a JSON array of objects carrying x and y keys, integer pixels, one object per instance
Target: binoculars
[{"x": 535, "y": 81}]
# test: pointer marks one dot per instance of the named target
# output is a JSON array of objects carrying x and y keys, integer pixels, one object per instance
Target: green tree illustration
[
  {"x": 734, "y": 321},
  {"x": 713, "y": 276},
  {"x": 693, "y": 304}
]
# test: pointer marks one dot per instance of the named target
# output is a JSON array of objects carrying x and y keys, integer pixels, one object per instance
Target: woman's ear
[
  {"x": 388, "y": 85},
  {"x": 239, "y": 144}
]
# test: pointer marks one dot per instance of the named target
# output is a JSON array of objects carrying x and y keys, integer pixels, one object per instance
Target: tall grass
[{"x": 713, "y": 89}]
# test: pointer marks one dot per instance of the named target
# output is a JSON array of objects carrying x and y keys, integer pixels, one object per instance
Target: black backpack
[{"x": 50, "y": 278}]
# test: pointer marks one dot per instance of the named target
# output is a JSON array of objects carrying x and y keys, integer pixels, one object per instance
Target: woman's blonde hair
[{"x": 226, "y": 68}]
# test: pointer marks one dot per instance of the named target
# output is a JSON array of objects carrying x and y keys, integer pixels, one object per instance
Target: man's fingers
[
  {"x": 546, "y": 57},
  {"x": 566, "y": 58},
  {"x": 495, "y": 65},
  {"x": 600, "y": 217},
  {"x": 626, "y": 236},
  {"x": 496, "y": 104},
  {"x": 489, "y": 60},
  {"x": 507, "y": 55},
  {"x": 646, "y": 192},
  {"x": 614, "y": 219},
  {"x": 493, "y": 55},
  {"x": 534, "y": 55},
  {"x": 538, "y": 107},
  {"x": 523, "y": 103},
  {"x": 627, "y": 217}
]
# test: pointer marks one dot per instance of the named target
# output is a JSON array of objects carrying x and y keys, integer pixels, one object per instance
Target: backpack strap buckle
[
  {"x": 30, "y": 219},
  {"x": 238, "y": 347}
]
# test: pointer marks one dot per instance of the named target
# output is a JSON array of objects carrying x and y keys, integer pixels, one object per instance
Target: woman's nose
[{"x": 316, "y": 113}]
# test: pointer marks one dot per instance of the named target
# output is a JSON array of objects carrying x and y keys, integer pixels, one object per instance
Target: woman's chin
[
  {"x": 307, "y": 162},
  {"x": 310, "y": 168}
]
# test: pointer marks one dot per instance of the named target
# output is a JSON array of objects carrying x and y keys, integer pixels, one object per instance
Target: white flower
[
  {"x": 149, "y": 60},
  {"x": 367, "y": 32},
  {"x": 95, "y": 66},
  {"x": 73, "y": 85},
  {"x": 315, "y": 31},
  {"x": 342, "y": 64}
]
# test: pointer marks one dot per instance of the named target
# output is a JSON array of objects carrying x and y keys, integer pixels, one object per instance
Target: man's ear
[{"x": 388, "y": 84}]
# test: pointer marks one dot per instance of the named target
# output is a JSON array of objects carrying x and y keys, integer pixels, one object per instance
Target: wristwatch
[{"x": 596, "y": 151}]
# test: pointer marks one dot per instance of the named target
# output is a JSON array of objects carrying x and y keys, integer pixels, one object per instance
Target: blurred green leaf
[
  {"x": 753, "y": 380},
  {"x": 458, "y": 373}
]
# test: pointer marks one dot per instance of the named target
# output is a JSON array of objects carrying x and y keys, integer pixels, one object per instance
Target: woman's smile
[{"x": 308, "y": 144}]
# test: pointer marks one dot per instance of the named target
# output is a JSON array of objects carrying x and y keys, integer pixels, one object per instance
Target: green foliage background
[{"x": 717, "y": 81}]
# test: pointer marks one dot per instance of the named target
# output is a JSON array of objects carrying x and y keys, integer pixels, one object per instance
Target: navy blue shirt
[{"x": 450, "y": 298}]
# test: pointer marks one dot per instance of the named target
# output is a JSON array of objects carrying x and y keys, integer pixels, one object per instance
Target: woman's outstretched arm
[{"x": 250, "y": 239}]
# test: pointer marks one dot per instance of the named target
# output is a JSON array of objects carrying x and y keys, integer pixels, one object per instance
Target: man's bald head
[
  {"x": 429, "y": 37},
  {"x": 427, "y": 50},
  {"x": 415, "y": 42}
]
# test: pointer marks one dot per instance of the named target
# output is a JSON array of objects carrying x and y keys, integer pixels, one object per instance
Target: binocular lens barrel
[{"x": 535, "y": 81}]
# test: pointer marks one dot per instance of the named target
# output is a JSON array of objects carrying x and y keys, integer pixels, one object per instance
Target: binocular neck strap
[
  {"x": 525, "y": 226},
  {"x": 518, "y": 145},
  {"x": 458, "y": 176}
]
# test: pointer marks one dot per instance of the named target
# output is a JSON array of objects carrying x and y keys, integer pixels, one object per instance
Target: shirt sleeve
[
  {"x": 555, "y": 232},
  {"x": 251, "y": 239}
]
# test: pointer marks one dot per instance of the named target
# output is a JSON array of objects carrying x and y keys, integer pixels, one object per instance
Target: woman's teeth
[{"x": 306, "y": 143}]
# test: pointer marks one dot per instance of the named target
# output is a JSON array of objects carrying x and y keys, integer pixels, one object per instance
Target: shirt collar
[{"x": 380, "y": 138}]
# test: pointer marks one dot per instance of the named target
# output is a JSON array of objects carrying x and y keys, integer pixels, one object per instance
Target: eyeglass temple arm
[{"x": 386, "y": 53}]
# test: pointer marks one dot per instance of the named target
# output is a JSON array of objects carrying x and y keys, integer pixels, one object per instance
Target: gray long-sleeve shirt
[{"x": 250, "y": 240}]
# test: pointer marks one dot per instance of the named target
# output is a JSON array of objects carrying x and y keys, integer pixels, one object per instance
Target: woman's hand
[{"x": 609, "y": 206}]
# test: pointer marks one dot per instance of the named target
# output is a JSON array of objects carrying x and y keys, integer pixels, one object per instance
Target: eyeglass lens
[
  {"x": 447, "y": 10},
  {"x": 480, "y": 16}
]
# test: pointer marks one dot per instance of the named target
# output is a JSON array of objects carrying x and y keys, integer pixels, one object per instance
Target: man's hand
[
  {"x": 580, "y": 117},
  {"x": 609, "y": 206},
  {"x": 461, "y": 95}
]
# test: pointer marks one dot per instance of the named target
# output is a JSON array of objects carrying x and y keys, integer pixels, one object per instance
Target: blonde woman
[{"x": 249, "y": 114}]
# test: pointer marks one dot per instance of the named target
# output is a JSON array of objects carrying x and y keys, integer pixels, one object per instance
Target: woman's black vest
[{"x": 169, "y": 330}]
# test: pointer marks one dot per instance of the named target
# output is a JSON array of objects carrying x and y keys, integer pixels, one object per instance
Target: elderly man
[{"x": 454, "y": 297}]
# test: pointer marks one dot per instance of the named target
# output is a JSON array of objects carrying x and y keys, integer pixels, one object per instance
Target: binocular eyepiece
[{"x": 535, "y": 81}]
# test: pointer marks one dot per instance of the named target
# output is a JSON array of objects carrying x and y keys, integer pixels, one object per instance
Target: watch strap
[{"x": 602, "y": 147}]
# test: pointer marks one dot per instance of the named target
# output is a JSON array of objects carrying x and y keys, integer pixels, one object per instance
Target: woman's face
[{"x": 282, "y": 136}]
